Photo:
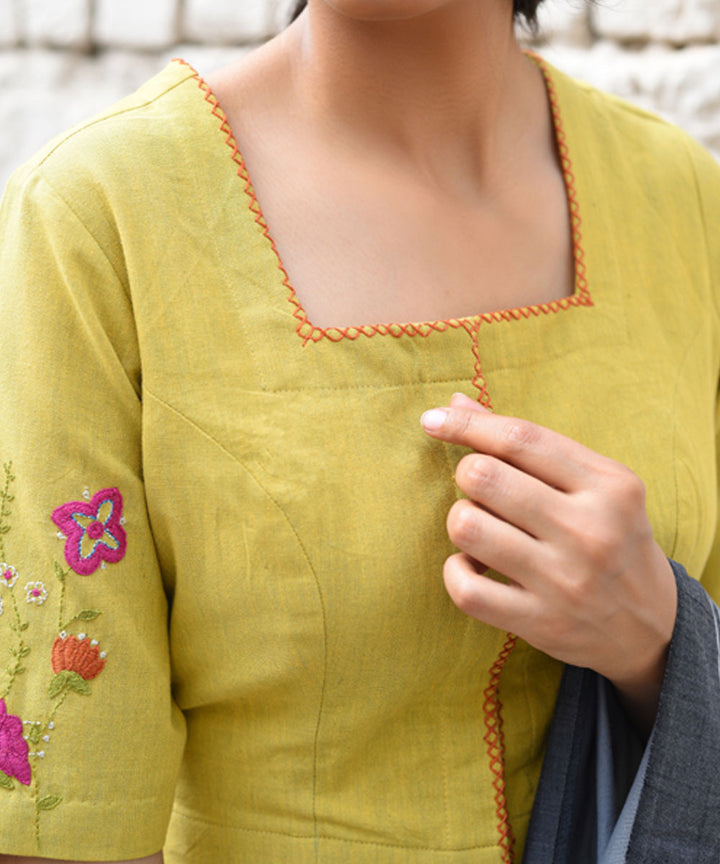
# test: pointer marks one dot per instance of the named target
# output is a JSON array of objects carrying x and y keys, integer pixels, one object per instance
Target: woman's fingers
[
  {"x": 498, "y": 544},
  {"x": 513, "y": 495},
  {"x": 549, "y": 456},
  {"x": 460, "y": 400},
  {"x": 567, "y": 527},
  {"x": 506, "y": 607}
]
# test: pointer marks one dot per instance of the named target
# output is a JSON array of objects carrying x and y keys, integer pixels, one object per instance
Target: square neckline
[{"x": 309, "y": 332}]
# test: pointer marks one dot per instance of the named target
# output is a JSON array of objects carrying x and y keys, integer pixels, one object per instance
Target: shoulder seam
[
  {"x": 88, "y": 124},
  {"x": 622, "y": 103}
]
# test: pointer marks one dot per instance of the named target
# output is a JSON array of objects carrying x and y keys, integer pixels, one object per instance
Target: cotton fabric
[{"x": 285, "y": 677}]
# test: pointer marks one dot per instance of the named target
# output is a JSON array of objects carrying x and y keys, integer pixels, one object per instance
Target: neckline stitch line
[{"x": 308, "y": 332}]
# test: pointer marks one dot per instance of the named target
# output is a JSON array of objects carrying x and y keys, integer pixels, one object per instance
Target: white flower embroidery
[
  {"x": 36, "y": 592},
  {"x": 8, "y": 575}
]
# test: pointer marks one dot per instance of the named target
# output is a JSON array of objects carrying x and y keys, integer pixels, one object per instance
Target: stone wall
[{"x": 62, "y": 60}]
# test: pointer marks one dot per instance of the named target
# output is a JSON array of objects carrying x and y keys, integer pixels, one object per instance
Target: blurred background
[{"x": 64, "y": 60}]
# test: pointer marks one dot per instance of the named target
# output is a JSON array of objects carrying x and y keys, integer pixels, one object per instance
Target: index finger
[{"x": 549, "y": 456}]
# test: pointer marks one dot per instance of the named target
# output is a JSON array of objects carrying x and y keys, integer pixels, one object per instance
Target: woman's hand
[{"x": 587, "y": 583}]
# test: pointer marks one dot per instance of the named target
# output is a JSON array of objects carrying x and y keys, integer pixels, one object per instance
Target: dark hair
[{"x": 526, "y": 9}]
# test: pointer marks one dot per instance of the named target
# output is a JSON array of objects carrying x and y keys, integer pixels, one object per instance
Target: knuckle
[
  {"x": 476, "y": 471},
  {"x": 602, "y": 547},
  {"x": 518, "y": 435},
  {"x": 568, "y": 523},
  {"x": 462, "y": 523},
  {"x": 460, "y": 585},
  {"x": 575, "y": 595},
  {"x": 464, "y": 423},
  {"x": 627, "y": 489},
  {"x": 633, "y": 490}
]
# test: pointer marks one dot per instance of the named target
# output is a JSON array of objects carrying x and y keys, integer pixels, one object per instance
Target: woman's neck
[{"x": 448, "y": 91}]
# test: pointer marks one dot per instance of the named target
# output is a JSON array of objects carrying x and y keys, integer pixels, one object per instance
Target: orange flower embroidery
[
  {"x": 77, "y": 654},
  {"x": 75, "y": 661}
]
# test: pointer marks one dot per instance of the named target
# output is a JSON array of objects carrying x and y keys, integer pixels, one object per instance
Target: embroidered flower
[
  {"x": 13, "y": 747},
  {"x": 35, "y": 592},
  {"x": 93, "y": 530},
  {"x": 77, "y": 654},
  {"x": 8, "y": 575}
]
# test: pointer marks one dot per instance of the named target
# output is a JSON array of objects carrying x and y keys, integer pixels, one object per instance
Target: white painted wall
[{"x": 63, "y": 60}]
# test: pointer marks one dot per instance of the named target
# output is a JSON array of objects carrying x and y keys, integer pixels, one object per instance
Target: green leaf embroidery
[
  {"x": 49, "y": 802},
  {"x": 84, "y": 615},
  {"x": 5, "y": 781},
  {"x": 58, "y": 685},
  {"x": 78, "y": 684},
  {"x": 67, "y": 680},
  {"x": 34, "y": 735}
]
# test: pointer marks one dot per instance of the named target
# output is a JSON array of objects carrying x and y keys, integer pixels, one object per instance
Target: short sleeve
[{"x": 90, "y": 739}]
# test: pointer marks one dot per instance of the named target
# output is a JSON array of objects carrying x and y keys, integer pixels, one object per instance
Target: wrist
[
  {"x": 640, "y": 694},
  {"x": 639, "y": 681}
]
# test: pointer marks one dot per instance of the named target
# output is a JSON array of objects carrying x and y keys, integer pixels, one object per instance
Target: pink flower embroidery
[
  {"x": 93, "y": 530},
  {"x": 13, "y": 747}
]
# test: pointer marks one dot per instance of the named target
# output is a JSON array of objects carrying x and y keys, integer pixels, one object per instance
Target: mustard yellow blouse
[{"x": 222, "y": 528}]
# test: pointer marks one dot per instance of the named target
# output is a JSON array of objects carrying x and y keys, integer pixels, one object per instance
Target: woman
[{"x": 203, "y": 418}]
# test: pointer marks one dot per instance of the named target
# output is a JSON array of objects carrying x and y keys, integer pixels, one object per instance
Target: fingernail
[{"x": 434, "y": 419}]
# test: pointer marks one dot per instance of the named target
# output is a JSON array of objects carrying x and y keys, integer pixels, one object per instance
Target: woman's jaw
[{"x": 385, "y": 10}]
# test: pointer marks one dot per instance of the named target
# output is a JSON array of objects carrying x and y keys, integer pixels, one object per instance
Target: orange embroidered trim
[
  {"x": 218, "y": 112},
  {"x": 495, "y": 741},
  {"x": 479, "y": 381},
  {"x": 583, "y": 294},
  {"x": 305, "y": 328},
  {"x": 308, "y": 332}
]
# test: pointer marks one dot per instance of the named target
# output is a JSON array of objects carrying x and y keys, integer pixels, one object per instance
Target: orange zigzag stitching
[
  {"x": 495, "y": 741},
  {"x": 478, "y": 381},
  {"x": 305, "y": 329},
  {"x": 308, "y": 332},
  {"x": 583, "y": 296}
]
